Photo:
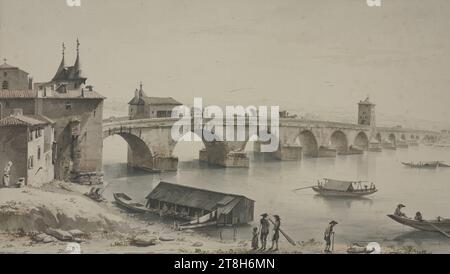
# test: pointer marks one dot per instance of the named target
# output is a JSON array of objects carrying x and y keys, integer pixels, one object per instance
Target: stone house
[
  {"x": 27, "y": 141},
  {"x": 142, "y": 106},
  {"x": 77, "y": 111}
]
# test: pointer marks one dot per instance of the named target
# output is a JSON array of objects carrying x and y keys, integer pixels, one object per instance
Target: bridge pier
[
  {"x": 288, "y": 153},
  {"x": 326, "y": 152},
  {"x": 231, "y": 159},
  {"x": 225, "y": 154}
]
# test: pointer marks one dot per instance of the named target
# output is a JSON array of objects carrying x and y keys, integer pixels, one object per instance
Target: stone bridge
[{"x": 150, "y": 145}]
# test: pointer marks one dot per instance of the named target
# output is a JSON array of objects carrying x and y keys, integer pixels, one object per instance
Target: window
[
  {"x": 68, "y": 106},
  {"x": 30, "y": 136},
  {"x": 5, "y": 74},
  {"x": 5, "y": 85},
  {"x": 30, "y": 162},
  {"x": 39, "y": 153}
]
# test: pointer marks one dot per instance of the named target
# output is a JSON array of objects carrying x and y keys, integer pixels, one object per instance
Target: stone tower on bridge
[{"x": 366, "y": 113}]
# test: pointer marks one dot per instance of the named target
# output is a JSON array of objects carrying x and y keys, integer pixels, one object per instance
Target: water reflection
[{"x": 270, "y": 183}]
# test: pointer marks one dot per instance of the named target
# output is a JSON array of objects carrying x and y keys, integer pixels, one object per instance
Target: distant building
[
  {"x": 13, "y": 78},
  {"x": 366, "y": 113},
  {"x": 27, "y": 141},
  {"x": 78, "y": 113},
  {"x": 142, "y": 106}
]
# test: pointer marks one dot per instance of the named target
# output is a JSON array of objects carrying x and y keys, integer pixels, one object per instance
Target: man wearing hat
[
  {"x": 264, "y": 230},
  {"x": 328, "y": 234},
  {"x": 276, "y": 232},
  {"x": 398, "y": 211}
]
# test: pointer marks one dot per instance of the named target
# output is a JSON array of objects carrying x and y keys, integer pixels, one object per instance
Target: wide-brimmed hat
[
  {"x": 401, "y": 205},
  {"x": 277, "y": 217},
  {"x": 264, "y": 215},
  {"x": 333, "y": 222}
]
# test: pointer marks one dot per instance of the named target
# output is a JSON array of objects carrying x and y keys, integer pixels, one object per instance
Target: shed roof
[
  {"x": 337, "y": 184},
  {"x": 25, "y": 120},
  {"x": 191, "y": 196}
]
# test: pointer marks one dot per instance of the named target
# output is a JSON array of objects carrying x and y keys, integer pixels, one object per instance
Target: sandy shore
[{"x": 28, "y": 212}]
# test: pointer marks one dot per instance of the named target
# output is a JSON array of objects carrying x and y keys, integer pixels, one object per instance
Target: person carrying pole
[{"x": 329, "y": 236}]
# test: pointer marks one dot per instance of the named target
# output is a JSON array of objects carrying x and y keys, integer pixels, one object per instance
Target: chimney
[
  {"x": 30, "y": 83},
  {"x": 136, "y": 93}
]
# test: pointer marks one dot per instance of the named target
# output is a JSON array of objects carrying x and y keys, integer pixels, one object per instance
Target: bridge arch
[
  {"x": 308, "y": 141},
  {"x": 139, "y": 153},
  {"x": 361, "y": 140},
  {"x": 378, "y": 137},
  {"x": 392, "y": 138},
  {"x": 338, "y": 141}
]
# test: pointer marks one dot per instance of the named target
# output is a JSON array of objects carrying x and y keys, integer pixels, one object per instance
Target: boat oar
[
  {"x": 438, "y": 229},
  {"x": 303, "y": 188},
  {"x": 289, "y": 239}
]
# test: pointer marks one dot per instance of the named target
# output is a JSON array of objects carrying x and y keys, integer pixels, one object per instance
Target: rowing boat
[
  {"x": 424, "y": 225},
  {"x": 433, "y": 164},
  {"x": 126, "y": 202},
  {"x": 331, "y": 187}
]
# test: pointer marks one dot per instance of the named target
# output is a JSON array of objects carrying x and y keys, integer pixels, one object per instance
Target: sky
[{"x": 311, "y": 54}]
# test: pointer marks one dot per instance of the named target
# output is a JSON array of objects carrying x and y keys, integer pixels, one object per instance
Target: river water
[{"x": 305, "y": 215}]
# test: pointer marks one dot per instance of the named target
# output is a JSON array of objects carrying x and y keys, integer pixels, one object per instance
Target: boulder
[
  {"x": 166, "y": 239},
  {"x": 143, "y": 241},
  {"x": 76, "y": 233},
  {"x": 59, "y": 234}
]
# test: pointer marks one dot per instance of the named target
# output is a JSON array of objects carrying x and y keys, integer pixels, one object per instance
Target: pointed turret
[
  {"x": 62, "y": 65},
  {"x": 77, "y": 72}
]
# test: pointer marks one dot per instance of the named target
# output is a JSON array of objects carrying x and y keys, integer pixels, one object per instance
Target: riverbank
[{"x": 47, "y": 219}]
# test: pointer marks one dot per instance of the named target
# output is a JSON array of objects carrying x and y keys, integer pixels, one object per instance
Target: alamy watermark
[
  {"x": 373, "y": 3},
  {"x": 73, "y": 3},
  {"x": 236, "y": 123}
]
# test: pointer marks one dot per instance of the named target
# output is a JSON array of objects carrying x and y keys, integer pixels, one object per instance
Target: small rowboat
[
  {"x": 431, "y": 165},
  {"x": 127, "y": 203},
  {"x": 330, "y": 187},
  {"x": 441, "y": 225}
]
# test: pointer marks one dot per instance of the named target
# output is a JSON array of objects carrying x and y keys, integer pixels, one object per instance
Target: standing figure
[
  {"x": 276, "y": 232},
  {"x": 264, "y": 230},
  {"x": 255, "y": 241},
  {"x": 6, "y": 174},
  {"x": 328, "y": 234}
]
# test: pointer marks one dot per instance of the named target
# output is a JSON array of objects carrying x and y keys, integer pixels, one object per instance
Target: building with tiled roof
[
  {"x": 143, "y": 106},
  {"x": 12, "y": 77},
  {"x": 77, "y": 111},
  {"x": 26, "y": 146}
]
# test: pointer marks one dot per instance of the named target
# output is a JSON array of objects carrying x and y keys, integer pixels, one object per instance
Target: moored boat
[
  {"x": 431, "y": 165},
  {"x": 125, "y": 202},
  {"x": 331, "y": 187},
  {"x": 437, "y": 225}
]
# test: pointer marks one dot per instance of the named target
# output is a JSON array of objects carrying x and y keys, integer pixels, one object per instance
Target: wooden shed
[{"x": 200, "y": 204}]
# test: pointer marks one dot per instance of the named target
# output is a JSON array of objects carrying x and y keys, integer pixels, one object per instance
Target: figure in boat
[{"x": 398, "y": 211}]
